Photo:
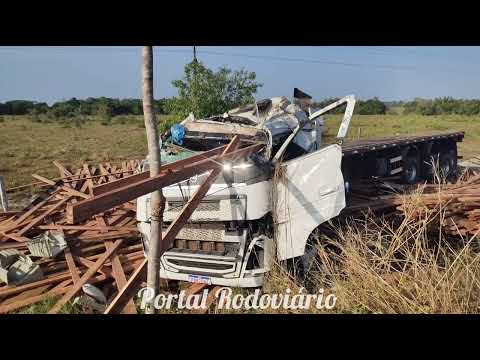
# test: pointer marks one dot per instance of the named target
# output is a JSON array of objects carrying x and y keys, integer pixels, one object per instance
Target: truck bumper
[{"x": 244, "y": 282}]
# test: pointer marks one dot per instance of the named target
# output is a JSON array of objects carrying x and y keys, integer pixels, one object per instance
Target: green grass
[
  {"x": 29, "y": 147},
  {"x": 44, "y": 306}
]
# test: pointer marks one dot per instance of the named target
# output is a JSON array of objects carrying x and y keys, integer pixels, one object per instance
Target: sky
[{"x": 54, "y": 73}]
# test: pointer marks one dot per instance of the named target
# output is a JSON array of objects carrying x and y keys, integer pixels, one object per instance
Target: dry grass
[
  {"x": 377, "y": 267},
  {"x": 29, "y": 147},
  {"x": 371, "y": 265}
]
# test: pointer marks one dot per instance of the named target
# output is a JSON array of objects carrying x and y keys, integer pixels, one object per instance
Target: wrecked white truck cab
[{"x": 261, "y": 208}]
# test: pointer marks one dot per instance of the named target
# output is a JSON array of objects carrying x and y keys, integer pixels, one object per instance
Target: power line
[
  {"x": 314, "y": 61},
  {"x": 260, "y": 57},
  {"x": 209, "y": 52}
]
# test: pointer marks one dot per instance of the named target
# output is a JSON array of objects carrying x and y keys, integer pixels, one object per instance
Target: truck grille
[
  {"x": 200, "y": 232},
  {"x": 206, "y": 205},
  {"x": 195, "y": 245},
  {"x": 216, "y": 257},
  {"x": 202, "y": 265},
  {"x": 208, "y": 210}
]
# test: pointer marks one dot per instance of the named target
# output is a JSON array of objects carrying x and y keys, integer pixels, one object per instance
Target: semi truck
[{"x": 264, "y": 208}]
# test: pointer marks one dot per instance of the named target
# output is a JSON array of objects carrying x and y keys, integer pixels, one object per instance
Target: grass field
[{"x": 30, "y": 147}]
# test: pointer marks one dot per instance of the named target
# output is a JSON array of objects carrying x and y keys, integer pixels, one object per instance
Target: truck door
[{"x": 309, "y": 191}]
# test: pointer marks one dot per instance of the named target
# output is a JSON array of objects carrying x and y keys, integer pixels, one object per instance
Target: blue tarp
[{"x": 178, "y": 133}]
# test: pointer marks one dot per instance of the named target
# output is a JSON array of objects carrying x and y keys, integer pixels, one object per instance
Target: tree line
[
  {"x": 441, "y": 106},
  {"x": 110, "y": 107},
  {"x": 74, "y": 107},
  {"x": 362, "y": 107},
  {"x": 175, "y": 105},
  {"x": 206, "y": 92}
]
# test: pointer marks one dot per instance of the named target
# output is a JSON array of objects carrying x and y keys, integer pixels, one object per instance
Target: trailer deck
[{"x": 364, "y": 146}]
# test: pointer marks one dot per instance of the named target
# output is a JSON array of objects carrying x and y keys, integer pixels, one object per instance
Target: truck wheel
[
  {"x": 429, "y": 166},
  {"x": 454, "y": 155},
  {"x": 309, "y": 269},
  {"x": 383, "y": 167},
  {"x": 448, "y": 164},
  {"x": 410, "y": 170}
]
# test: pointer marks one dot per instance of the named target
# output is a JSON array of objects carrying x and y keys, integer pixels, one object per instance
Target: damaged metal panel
[
  {"x": 48, "y": 244},
  {"x": 309, "y": 191},
  {"x": 8, "y": 257},
  {"x": 18, "y": 269}
]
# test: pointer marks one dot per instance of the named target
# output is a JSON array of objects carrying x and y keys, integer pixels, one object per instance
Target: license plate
[{"x": 200, "y": 279}]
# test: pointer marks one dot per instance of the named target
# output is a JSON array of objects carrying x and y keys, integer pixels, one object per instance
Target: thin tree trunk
[{"x": 156, "y": 204}]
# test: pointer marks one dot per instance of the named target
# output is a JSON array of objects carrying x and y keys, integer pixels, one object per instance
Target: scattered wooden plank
[
  {"x": 34, "y": 208},
  {"x": 71, "y": 265},
  {"x": 193, "y": 202},
  {"x": 117, "y": 184},
  {"x": 90, "y": 272},
  {"x": 89, "y": 264},
  {"x": 65, "y": 188},
  {"x": 210, "y": 299},
  {"x": 8, "y": 213},
  {"x": 42, "y": 217},
  {"x": 120, "y": 279},
  {"x": 86, "y": 227},
  {"x": 89, "y": 180},
  {"x": 15, "y": 237},
  {"x": 129, "y": 290},
  {"x": 64, "y": 173},
  {"x": 195, "y": 288},
  {"x": 82, "y": 210}
]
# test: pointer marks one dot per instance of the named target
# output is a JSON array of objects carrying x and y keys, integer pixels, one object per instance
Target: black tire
[
  {"x": 304, "y": 268},
  {"x": 383, "y": 167},
  {"x": 448, "y": 164},
  {"x": 428, "y": 168},
  {"x": 411, "y": 171}
]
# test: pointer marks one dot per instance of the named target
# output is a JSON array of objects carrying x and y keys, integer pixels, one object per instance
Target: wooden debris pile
[
  {"x": 374, "y": 196},
  {"x": 101, "y": 251},
  {"x": 457, "y": 205}
]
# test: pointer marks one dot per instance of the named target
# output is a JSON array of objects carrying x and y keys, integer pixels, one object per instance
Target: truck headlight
[{"x": 242, "y": 166}]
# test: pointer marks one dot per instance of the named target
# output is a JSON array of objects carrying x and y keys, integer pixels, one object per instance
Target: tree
[
  {"x": 371, "y": 107},
  {"x": 206, "y": 92},
  {"x": 104, "y": 110}
]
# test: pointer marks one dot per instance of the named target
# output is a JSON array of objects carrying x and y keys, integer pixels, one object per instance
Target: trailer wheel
[
  {"x": 429, "y": 166},
  {"x": 410, "y": 170},
  {"x": 383, "y": 167},
  {"x": 448, "y": 164}
]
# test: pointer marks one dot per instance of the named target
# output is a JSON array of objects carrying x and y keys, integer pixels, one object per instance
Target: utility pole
[
  {"x": 156, "y": 204},
  {"x": 195, "y": 53},
  {"x": 3, "y": 195}
]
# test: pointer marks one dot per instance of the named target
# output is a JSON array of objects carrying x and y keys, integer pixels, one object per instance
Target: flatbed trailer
[{"x": 413, "y": 157}]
